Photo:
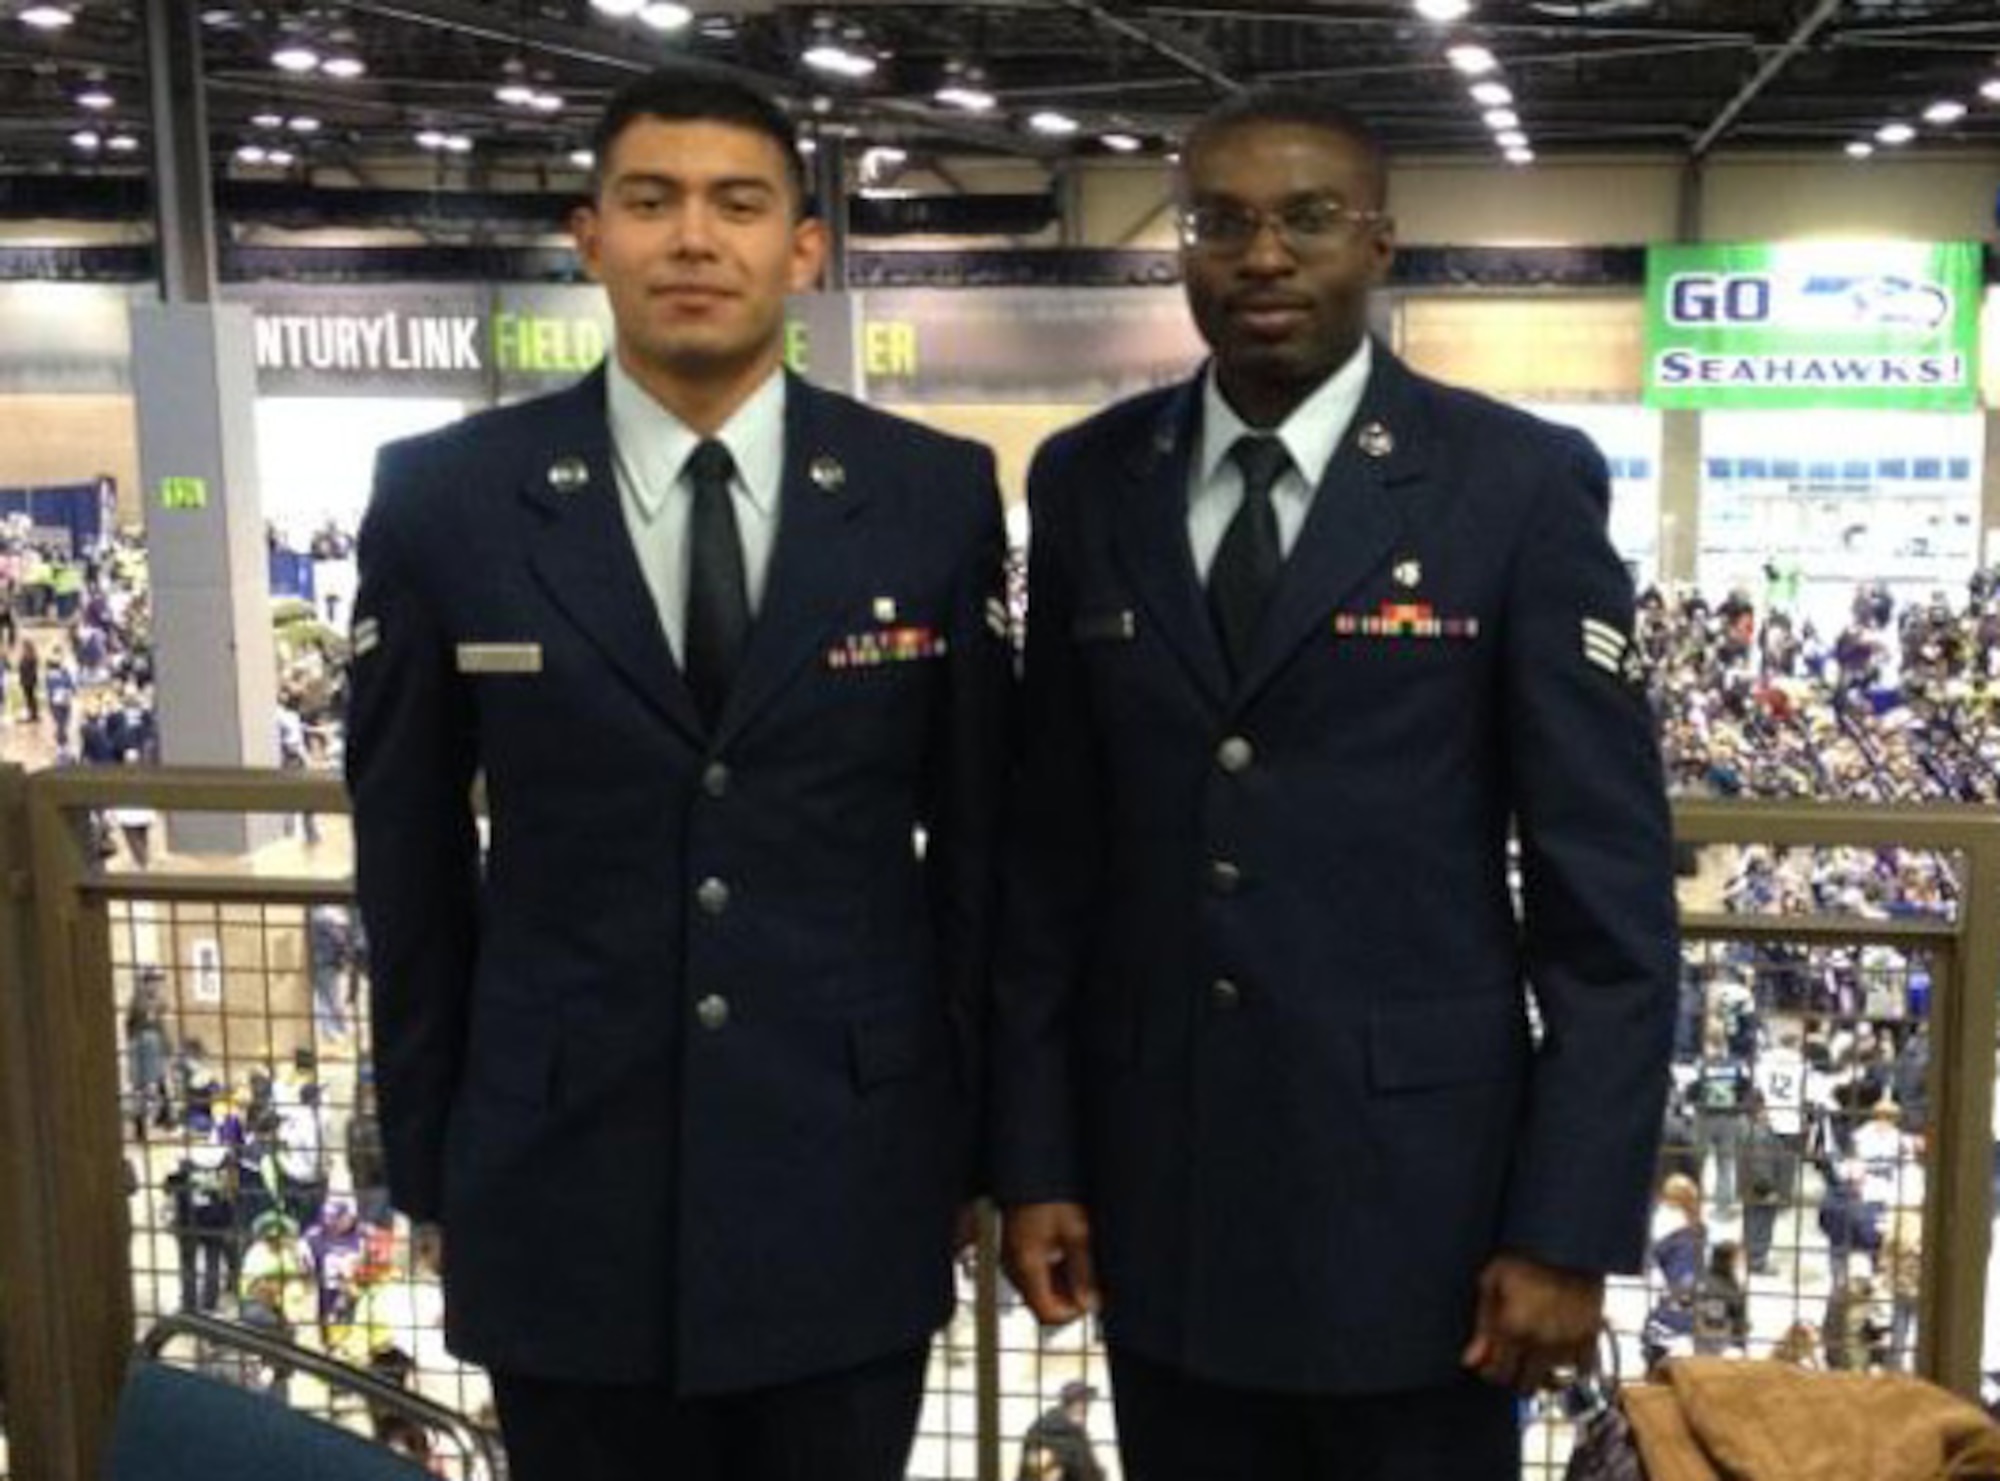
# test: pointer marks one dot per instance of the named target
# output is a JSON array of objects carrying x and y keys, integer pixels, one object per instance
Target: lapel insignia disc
[
  {"x": 827, "y": 474},
  {"x": 1376, "y": 440},
  {"x": 1408, "y": 573},
  {"x": 567, "y": 475}
]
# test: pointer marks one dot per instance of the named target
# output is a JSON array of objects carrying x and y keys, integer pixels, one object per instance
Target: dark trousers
[
  {"x": 851, "y": 1426},
  {"x": 1172, "y": 1427},
  {"x": 205, "y": 1263},
  {"x": 1760, "y": 1222}
]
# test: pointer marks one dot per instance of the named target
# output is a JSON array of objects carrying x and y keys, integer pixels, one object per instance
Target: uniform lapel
[
  {"x": 1151, "y": 535},
  {"x": 583, "y": 554},
  {"x": 813, "y": 564},
  {"x": 1359, "y": 511}
]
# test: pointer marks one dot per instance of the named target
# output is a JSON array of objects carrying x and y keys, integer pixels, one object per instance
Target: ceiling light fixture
[
  {"x": 88, "y": 140},
  {"x": 345, "y": 69},
  {"x": 515, "y": 94},
  {"x": 457, "y": 144},
  {"x": 1444, "y": 11},
  {"x": 1990, "y": 90},
  {"x": 1520, "y": 156},
  {"x": 303, "y": 125},
  {"x": 617, "y": 9},
  {"x": 430, "y": 139},
  {"x": 1052, "y": 123},
  {"x": 1122, "y": 143},
  {"x": 1501, "y": 118},
  {"x": 295, "y": 58},
  {"x": 837, "y": 60},
  {"x": 1473, "y": 61},
  {"x": 281, "y": 158},
  {"x": 122, "y": 144},
  {"x": 1859, "y": 149},
  {"x": 96, "y": 99},
  {"x": 47, "y": 18},
  {"x": 1944, "y": 111},
  {"x": 1895, "y": 133},
  {"x": 251, "y": 154},
  {"x": 1511, "y": 139},
  {"x": 1492, "y": 94},
  {"x": 665, "y": 15},
  {"x": 546, "y": 102},
  {"x": 267, "y": 120},
  {"x": 583, "y": 159},
  {"x": 971, "y": 99}
]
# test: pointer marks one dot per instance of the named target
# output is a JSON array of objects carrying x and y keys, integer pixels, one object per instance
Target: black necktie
[
  {"x": 1245, "y": 571},
  {"x": 718, "y": 603}
]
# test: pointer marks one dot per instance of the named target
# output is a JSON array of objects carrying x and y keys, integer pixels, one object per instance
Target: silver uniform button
[
  {"x": 712, "y": 1012},
  {"x": 715, "y": 779},
  {"x": 827, "y": 474},
  {"x": 1235, "y": 755},
  {"x": 1224, "y": 877},
  {"x": 567, "y": 475},
  {"x": 1225, "y": 993},
  {"x": 712, "y": 895}
]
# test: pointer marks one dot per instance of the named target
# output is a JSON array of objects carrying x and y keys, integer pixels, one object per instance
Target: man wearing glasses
[{"x": 1307, "y": 638}]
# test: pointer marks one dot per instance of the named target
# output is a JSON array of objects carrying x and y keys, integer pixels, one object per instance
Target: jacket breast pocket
[
  {"x": 1102, "y": 626},
  {"x": 1432, "y": 1044}
]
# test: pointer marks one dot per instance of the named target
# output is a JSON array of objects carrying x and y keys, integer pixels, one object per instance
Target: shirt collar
[
  {"x": 655, "y": 445},
  {"x": 1310, "y": 434}
]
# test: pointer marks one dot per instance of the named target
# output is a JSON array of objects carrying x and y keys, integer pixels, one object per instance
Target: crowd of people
[
  {"x": 75, "y": 646},
  {"x": 1902, "y": 703},
  {"x": 1801, "y": 1078}
]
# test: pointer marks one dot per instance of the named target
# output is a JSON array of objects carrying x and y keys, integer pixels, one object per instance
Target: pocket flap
[{"x": 1446, "y": 1041}]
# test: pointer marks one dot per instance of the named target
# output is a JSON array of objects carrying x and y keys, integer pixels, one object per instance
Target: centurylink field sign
[{"x": 1834, "y": 324}]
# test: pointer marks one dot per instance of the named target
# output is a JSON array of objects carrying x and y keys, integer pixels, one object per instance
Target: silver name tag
[{"x": 499, "y": 658}]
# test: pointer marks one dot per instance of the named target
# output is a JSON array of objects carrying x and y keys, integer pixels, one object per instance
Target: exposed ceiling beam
[
  {"x": 619, "y": 53},
  {"x": 1970, "y": 47},
  {"x": 1334, "y": 20},
  {"x": 1868, "y": 31},
  {"x": 1808, "y": 27},
  {"x": 1436, "y": 66},
  {"x": 1162, "y": 41}
]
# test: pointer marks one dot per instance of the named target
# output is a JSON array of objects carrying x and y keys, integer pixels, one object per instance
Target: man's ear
[{"x": 585, "y": 231}]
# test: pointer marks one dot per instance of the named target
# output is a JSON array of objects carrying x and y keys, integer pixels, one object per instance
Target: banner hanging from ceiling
[{"x": 1855, "y": 325}]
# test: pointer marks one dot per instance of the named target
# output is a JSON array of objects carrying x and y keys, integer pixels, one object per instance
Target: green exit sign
[{"x": 184, "y": 493}]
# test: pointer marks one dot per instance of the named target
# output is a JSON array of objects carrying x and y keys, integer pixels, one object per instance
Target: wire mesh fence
[{"x": 1790, "y": 1221}]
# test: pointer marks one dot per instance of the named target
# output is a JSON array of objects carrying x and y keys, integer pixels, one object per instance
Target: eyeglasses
[{"x": 1315, "y": 224}]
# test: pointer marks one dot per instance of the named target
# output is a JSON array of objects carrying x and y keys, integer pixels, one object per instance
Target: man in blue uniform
[
  {"x": 1308, "y": 638},
  {"x": 684, "y": 1063}
]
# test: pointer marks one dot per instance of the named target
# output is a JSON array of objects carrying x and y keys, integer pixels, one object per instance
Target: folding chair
[{"x": 177, "y": 1425}]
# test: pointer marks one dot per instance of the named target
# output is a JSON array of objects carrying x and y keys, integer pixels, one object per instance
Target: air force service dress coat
[
  {"x": 684, "y": 1062},
  {"x": 1264, "y": 997}
]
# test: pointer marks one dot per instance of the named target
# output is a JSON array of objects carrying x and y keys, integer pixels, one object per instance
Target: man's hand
[
  {"x": 1533, "y": 1318},
  {"x": 1045, "y": 1249}
]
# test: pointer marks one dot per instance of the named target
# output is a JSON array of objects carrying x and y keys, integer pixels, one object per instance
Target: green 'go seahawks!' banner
[{"x": 1836, "y": 324}]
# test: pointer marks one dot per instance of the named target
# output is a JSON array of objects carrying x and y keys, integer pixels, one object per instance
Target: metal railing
[{"x": 104, "y": 1228}]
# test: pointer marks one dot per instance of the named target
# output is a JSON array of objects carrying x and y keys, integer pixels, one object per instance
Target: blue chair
[{"x": 177, "y": 1425}]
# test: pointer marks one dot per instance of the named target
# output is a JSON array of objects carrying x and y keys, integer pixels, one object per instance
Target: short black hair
[
  {"x": 687, "y": 95},
  {"x": 1294, "y": 106}
]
